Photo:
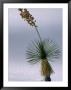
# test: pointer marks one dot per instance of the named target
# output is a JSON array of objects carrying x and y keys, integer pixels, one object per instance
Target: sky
[{"x": 20, "y": 34}]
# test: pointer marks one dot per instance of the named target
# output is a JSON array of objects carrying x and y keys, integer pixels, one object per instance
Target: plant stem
[{"x": 38, "y": 34}]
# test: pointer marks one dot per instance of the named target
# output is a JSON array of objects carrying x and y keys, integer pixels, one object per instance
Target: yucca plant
[
  {"x": 40, "y": 50},
  {"x": 43, "y": 52}
]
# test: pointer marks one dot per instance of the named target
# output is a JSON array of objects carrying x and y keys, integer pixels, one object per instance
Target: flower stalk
[{"x": 30, "y": 19}]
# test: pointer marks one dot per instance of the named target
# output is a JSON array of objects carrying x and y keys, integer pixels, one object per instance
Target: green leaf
[{"x": 42, "y": 50}]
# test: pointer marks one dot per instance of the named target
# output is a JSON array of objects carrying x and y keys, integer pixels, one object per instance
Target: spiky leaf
[{"x": 42, "y": 50}]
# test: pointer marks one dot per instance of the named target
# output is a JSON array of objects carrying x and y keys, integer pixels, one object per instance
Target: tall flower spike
[
  {"x": 27, "y": 16},
  {"x": 30, "y": 19}
]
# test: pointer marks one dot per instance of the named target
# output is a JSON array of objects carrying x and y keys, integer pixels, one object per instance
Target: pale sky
[{"x": 21, "y": 34}]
